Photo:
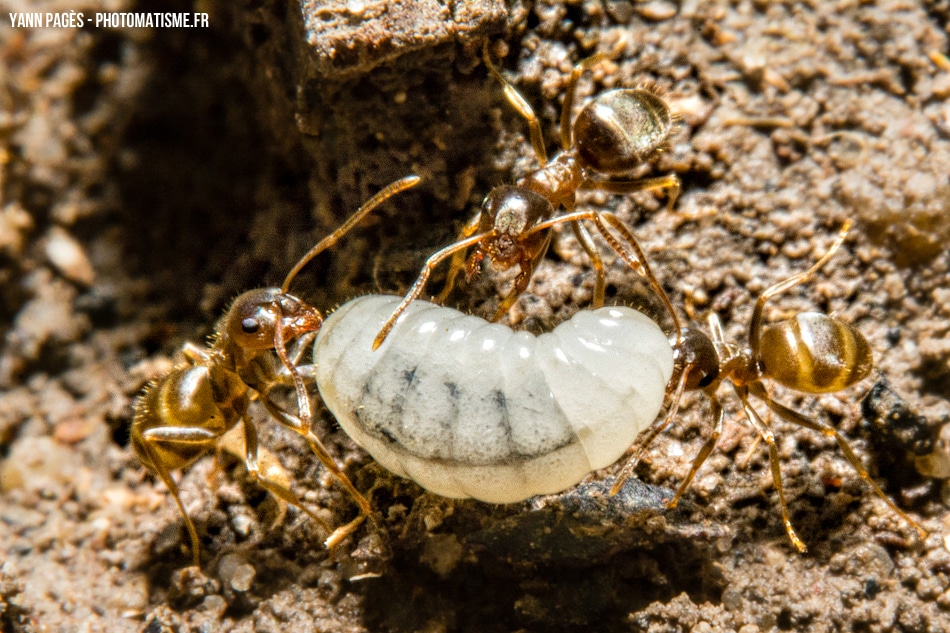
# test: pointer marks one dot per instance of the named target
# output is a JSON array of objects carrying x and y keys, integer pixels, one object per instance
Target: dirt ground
[{"x": 149, "y": 176}]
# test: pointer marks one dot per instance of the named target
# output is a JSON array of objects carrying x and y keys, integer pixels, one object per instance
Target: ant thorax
[{"x": 558, "y": 180}]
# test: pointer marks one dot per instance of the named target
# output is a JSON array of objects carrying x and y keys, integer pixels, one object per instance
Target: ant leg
[
  {"x": 381, "y": 196},
  {"x": 704, "y": 452},
  {"x": 744, "y": 462},
  {"x": 458, "y": 258},
  {"x": 416, "y": 289},
  {"x": 269, "y": 481},
  {"x": 829, "y": 431},
  {"x": 303, "y": 429},
  {"x": 233, "y": 443},
  {"x": 303, "y": 396},
  {"x": 567, "y": 107},
  {"x": 296, "y": 351},
  {"x": 307, "y": 371},
  {"x": 637, "y": 261},
  {"x": 290, "y": 373},
  {"x": 670, "y": 182},
  {"x": 588, "y": 244},
  {"x": 284, "y": 375},
  {"x": 655, "y": 429},
  {"x": 517, "y": 289},
  {"x": 755, "y": 325},
  {"x": 192, "y": 531},
  {"x": 156, "y": 443},
  {"x": 523, "y": 279},
  {"x": 523, "y": 108},
  {"x": 769, "y": 438},
  {"x": 641, "y": 264}
]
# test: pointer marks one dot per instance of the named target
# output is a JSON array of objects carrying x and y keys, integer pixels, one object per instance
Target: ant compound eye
[
  {"x": 707, "y": 379},
  {"x": 250, "y": 325}
]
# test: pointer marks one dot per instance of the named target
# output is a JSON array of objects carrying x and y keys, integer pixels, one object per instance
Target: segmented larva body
[{"x": 468, "y": 408}]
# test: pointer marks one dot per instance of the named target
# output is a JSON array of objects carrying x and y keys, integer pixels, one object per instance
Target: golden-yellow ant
[
  {"x": 810, "y": 352},
  {"x": 183, "y": 415},
  {"x": 614, "y": 133}
]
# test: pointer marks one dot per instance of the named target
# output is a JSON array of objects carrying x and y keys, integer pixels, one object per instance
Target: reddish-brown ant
[
  {"x": 614, "y": 133},
  {"x": 811, "y": 352},
  {"x": 184, "y": 414}
]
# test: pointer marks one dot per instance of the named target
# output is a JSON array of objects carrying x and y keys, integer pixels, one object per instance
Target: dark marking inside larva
[
  {"x": 368, "y": 423},
  {"x": 500, "y": 400},
  {"x": 378, "y": 388},
  {"x": 502, "y": 403},
  {"x": 453, "y": 390},
  {"x": 370, "y": 400},
  {"x": 449, "y": 423}
]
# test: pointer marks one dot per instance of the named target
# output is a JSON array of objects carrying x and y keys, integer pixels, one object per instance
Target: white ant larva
[{"x": 468, "y": 408}]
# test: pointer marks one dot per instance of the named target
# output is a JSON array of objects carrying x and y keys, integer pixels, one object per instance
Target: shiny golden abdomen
[{"x": 815, "y": 353}]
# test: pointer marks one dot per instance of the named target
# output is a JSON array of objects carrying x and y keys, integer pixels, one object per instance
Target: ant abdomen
[
  {"x": 187, "y": 398},
  {"x": 620, "y": 129},
  {"x": 815, "y": 353}
]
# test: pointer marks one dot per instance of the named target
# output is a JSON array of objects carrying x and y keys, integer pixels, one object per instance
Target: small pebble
[
  {"x": 68, "y": 257},
  {"x": 658, "y": 10},
  {"x": 236, "y": 572}
]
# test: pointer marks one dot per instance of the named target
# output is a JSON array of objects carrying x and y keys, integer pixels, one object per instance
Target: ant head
[
  {"x": 697, "y": 356},
  {"x": 620, "y": 128},
  {"x": 513, "y": 211},
  {"x": 256, "y": 317}
]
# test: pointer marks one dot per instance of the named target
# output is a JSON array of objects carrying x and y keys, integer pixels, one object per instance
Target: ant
[
  {"x": 183, "y": 415},
  {"x": 810, "y": 352},
  {"x": 618, "y": 130}
]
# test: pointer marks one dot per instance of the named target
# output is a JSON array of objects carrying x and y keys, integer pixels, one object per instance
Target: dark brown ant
[
  {"x": 183, "y": 415},
  {"x": 810, "y": 352},
  {"x": 617, "y": 131}
]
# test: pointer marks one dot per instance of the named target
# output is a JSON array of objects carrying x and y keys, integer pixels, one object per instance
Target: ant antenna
[{"x": 382, "y": 196}]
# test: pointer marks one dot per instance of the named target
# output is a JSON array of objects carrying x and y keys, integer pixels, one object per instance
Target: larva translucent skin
[{"x": 468, "y": 408}]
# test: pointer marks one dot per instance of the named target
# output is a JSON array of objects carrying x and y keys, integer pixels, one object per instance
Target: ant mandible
[
  {"x": 183, "y": 415},
  {"x": 618, "y": 130},
  {"x": 810, "y": 352}
]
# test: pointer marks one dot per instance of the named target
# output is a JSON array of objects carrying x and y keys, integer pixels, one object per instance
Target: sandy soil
[{"x": 147, "y": 177}]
